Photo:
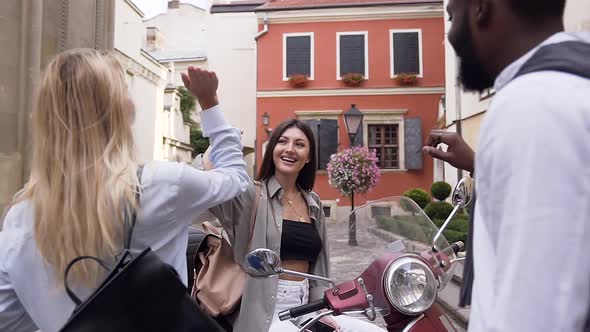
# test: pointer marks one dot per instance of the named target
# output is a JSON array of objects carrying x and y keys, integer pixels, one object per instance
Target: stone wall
[{"x": 31, "y": 33}]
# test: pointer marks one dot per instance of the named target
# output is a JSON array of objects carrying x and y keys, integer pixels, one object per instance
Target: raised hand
[
  {"x": 458, "y": 153},
  {"x": 203, "y": 85}
]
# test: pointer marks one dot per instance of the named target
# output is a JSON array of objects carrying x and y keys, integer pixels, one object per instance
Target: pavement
[{"x": 349, "y": 262}]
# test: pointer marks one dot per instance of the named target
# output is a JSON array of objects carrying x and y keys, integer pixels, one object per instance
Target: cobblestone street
[{"x": 348, "y": 262}]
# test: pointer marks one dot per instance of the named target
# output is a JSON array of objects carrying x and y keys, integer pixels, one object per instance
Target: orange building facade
[{"x": 325, "y": 40}]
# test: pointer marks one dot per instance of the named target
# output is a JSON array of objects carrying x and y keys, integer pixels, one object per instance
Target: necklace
[{"x": 290, "y": 202}]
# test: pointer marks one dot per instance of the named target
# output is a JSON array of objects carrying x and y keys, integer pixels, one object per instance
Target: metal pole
[{"x": 352, "y": 223}]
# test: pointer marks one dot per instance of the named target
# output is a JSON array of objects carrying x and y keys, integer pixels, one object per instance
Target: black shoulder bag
[{"x": 140, "y": 293}]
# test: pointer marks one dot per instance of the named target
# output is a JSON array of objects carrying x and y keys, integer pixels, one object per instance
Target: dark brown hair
[{"x": 306, "y": 177}]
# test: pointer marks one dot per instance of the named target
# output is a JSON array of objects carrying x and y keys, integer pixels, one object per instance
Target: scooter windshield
[{"x": 391, "y": 224}]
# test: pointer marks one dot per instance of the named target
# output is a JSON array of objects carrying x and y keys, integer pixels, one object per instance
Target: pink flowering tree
[{"x": 353, "y": 171}]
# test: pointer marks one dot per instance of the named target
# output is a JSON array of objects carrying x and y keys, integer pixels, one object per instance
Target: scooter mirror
[
  {"x": 262, "y": 263},
  {"x": 461, "y": 197},
  {"x": 463, "y": 192}
]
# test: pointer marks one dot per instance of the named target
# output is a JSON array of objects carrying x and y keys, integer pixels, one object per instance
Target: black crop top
[{"x": 300, "y": 241}]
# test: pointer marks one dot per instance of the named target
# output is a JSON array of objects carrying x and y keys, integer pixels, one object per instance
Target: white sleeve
[
  {"x": 200, "y": 190},
  {"x": 13, "y": 316},
  {"x": 544, "y": 236}
]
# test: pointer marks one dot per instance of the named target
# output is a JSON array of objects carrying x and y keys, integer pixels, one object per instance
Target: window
[
  {"x": 406, "y": 52},
  {"x": 385, "y": 140},
  {"x": 325, "y": 132},
  {"x": 297, "y": 54},
  {"x": 352, "y": 53},
  {"x": 396, "y": 138},
  {"x": 380, "y": 211},
  {"x": 328, "y": 211}
]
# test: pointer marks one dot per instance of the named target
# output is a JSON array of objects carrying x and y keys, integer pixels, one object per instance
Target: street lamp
[
  {"x": 265, "y": 123},
  {"x": 353, "y": 119}
]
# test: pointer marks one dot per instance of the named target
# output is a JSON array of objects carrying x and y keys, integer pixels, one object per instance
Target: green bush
[
  {"x": 419, "y": 196},
  {"x": 454, "y": 236},
  {"x": 198, "y": 141},
  {"x": 457, "y": 229},
  {"x": 459, "y": 223},
  {"x": 440, "y": 190},
  {"x": 187, "y": 104},
  {"x": 416, "y": 228},
  {"x": 438, "y": 210}
]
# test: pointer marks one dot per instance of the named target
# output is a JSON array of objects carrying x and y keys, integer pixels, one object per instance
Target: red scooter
[{"x": 412, "y": 263}]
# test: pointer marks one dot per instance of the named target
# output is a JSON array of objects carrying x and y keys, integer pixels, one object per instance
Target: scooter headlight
[{"x": 410, "y": 285}]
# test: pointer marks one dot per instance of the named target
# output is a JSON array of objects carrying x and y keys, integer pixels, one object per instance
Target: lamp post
[
  {"x": 353, "y": 119},
  {"x": 265, "y": 123}
]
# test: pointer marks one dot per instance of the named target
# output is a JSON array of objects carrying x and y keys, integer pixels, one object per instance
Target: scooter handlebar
[
  {"x": 303, "y": 309},
  {"x": 458, "y": 246}
]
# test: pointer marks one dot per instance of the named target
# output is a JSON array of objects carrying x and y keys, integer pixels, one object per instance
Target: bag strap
[
  {"x": 130, "y": 224},
  {"x": 569, "y": 57},
  {"x": 127, "y": 233},
  {"x": 70, "y": 293},
  {"x": 254, "y": 211}
]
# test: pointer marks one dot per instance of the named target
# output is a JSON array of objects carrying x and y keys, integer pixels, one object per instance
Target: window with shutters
[
  {"x": 406, "y": 52},
  {"x": 327, "y": 211},
  {"x": 298, "y": 50},
  {"x": 396, "y": 138},
  {"x": 352, "y": 53},
  {"x": 380, "y": 211},
  {"x": 325, "y": 132},
  {"x": 384, "y": 139}
]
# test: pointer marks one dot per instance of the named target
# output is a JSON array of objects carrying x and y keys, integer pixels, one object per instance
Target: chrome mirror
[
  {"x": 463, "y": 192},
  {"x": 265, "y": 263},
  {"x": 262, "y": 263},
  {"x": 461, "y": 197}
]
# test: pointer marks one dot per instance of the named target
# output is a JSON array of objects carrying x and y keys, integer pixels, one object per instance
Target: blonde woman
[{"x": 83, "y": 176}]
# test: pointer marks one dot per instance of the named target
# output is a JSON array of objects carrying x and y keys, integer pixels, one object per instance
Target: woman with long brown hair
[
  {"x": 84, "y": 179},
  {"x": 289, "y": 220}
]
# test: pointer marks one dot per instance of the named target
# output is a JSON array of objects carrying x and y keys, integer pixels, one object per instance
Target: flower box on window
[
  {"x": 298, "y": 80},
  {"x": 353, "y": 79},
  {"x": 407, "y": 78}
]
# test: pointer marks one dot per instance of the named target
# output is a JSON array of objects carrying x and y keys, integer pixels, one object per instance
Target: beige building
[
  {"x": 159, "y": 129},
  {"x": 223, "y": 41},
  {"x": 32, "y": 31},
  {"x": 465, "y": 111},
  {"x": 231, "y": 48},
  {"x": 177, "y": 38}
]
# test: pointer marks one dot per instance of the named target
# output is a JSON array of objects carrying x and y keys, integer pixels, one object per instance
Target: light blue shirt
[
  {"x": 173, "y": 194},
  {"x": 532, "y": 226}
]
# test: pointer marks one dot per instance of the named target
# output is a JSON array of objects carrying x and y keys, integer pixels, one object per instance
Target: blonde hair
[{"x": 83, "y": 172}]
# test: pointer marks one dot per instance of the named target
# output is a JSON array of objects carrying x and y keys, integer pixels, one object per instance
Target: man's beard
[{"x": 472, "y": 74}]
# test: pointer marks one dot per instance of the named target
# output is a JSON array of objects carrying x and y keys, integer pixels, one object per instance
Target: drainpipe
[
  {"x": 264, "y": 29},
  {"x": 256, "y": 37},
  {"x": 459, "y": 119},
  {"x": 30, "y": 72}
]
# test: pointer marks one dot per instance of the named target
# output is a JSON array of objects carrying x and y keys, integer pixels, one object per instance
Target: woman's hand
[
  {"x": 203, "y": 85},
  {"x": 329, "y": 320}
]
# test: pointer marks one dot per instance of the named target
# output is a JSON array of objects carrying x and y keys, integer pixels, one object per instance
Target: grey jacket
[{"x": 258, "y": 300}]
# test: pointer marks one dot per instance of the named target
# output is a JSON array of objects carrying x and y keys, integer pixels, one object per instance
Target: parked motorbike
[{"x": 412, "y": 262}]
